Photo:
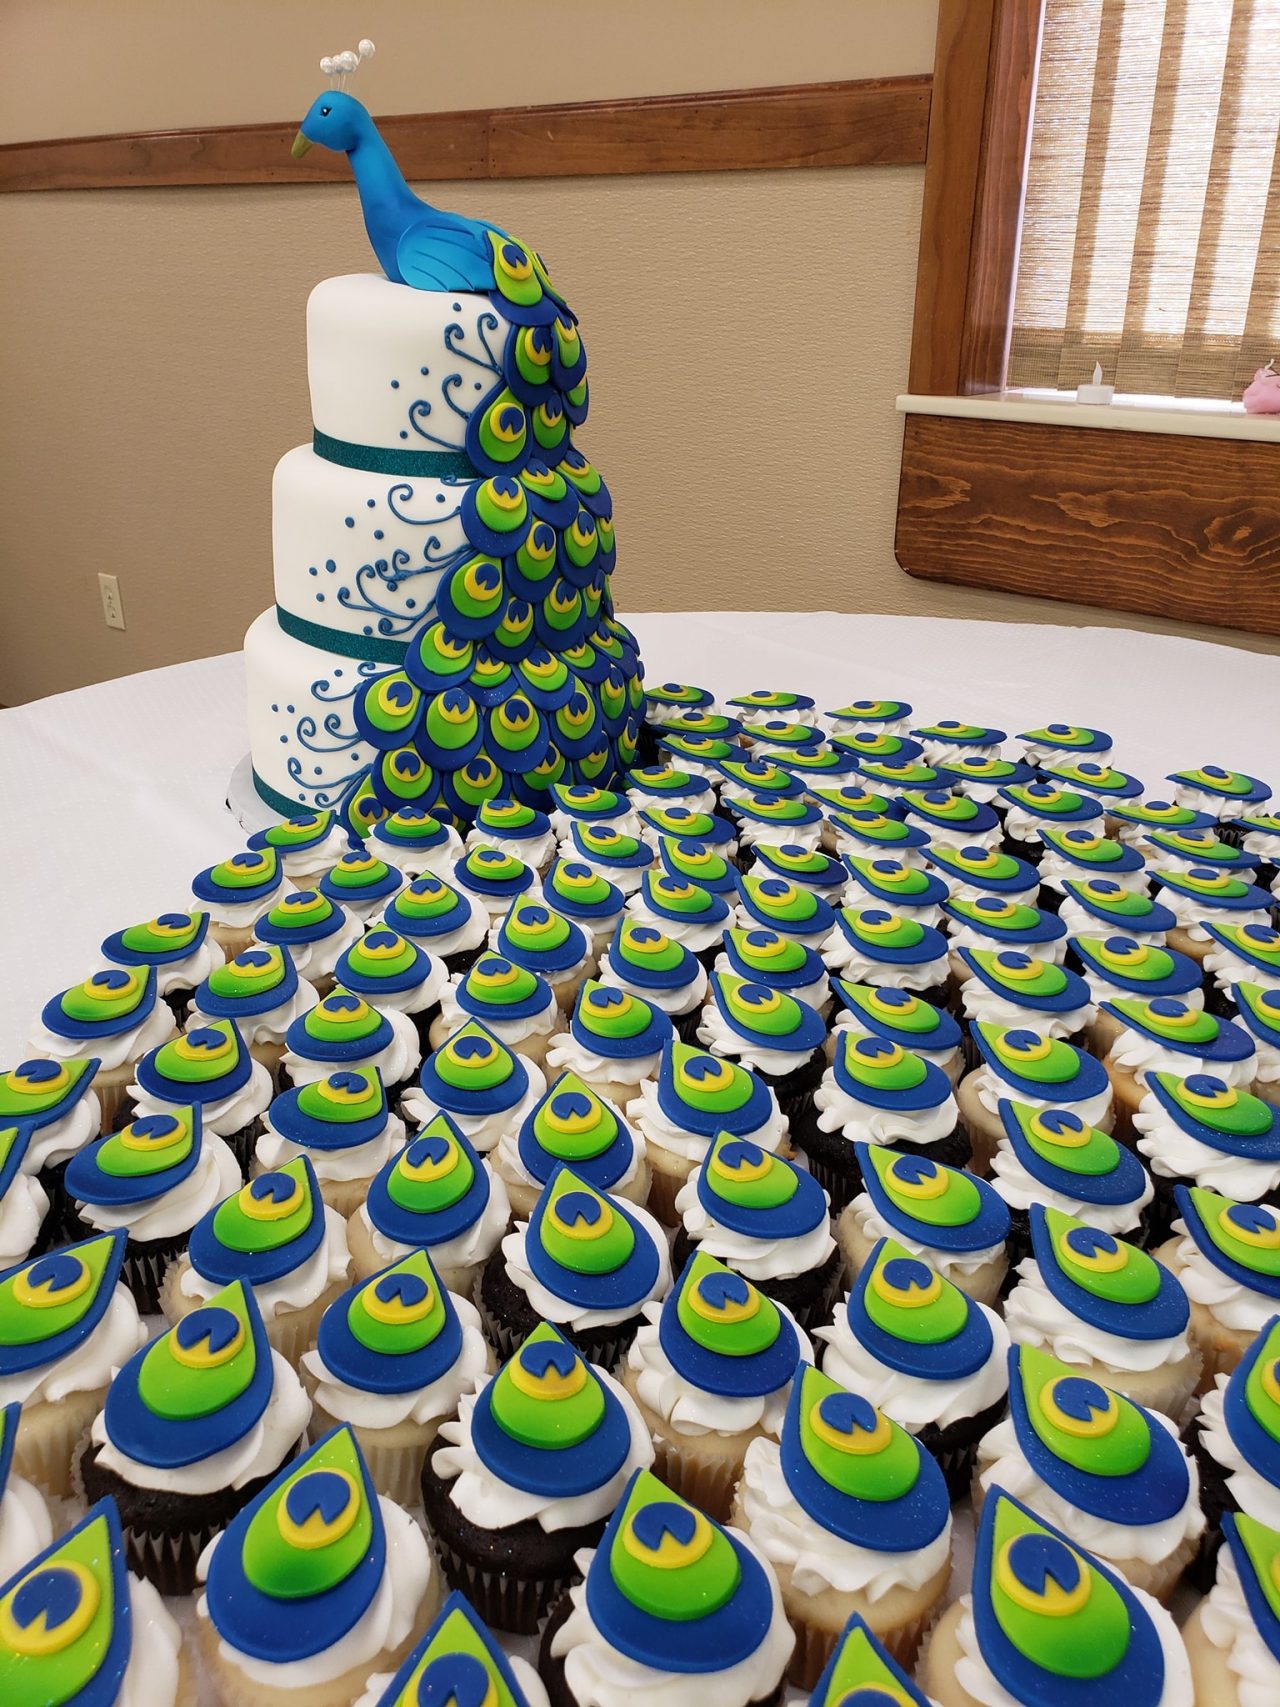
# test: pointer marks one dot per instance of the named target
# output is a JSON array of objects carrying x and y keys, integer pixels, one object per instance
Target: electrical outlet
[{"x": 112, "y": 609}]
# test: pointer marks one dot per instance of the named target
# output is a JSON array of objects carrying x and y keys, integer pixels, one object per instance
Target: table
[{"x": 115, "y": 795}]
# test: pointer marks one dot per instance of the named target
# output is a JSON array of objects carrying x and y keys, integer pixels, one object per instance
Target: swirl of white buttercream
[
  {"x": 1021, "y": 1189},
  {"x": 394, "y": 1063},
  {"x": 364, "y": 1408},
  {"x": 716, "y": 1034},
  {"x": 620, "y": 1073},
  {"x": 1250, "y": 1490},
  {"x": 22, "y": 1211},
  {"x": 152, "y": 1676},
  {"x": 695, "y": 933},
  {"x": 1191, "y": 911},
  {"x": 224, "y": 1116},
  {"x": 683, "y": 999},
  {"x": 1096, "y": 1110},
  {"x": 755, "y": 1259},
  {"x": 89, "y": 1366},
  {"x": 192, "y": 969},
  {"x": 215, "y": 1176},
  {"x": 546, "y": 1304},
  {"x": 1231, "y": 1627},
  {"x": 914, "y": 1400},
  {"x": 646, "y": 1112},
  {"x": 1139, "y": 1054},
  {"x": 626, "y": 878},
  {"x": 25, "y": 1526},
  {"x": 997, "y": 1007},
  {"x": 1175, "y": 1154},
  {"x": 1036, "y": 1317},
  {"x": 1228, "y": 1301},
  {"x": 510, "y": 1032},
  {"x": 534, "y": 851},
  {"x": 61, "y": 1138},
  {"x": 328, "y": 1263},
  {"x": 949, "y": 1264},
  {"x": 121, "y": 1047},
  {"x": 353, "y": 1161},
  {"x": 690, "y": 1410},
  {"x": 240, "y": 915},
  {"x": 268, "y": 1027},
  {"x": 475, "y": 1244},
  {"x": 966, "y": 934},
  {"x": 481, "y": 1130},
  {"x": 838, "y": 1111}
]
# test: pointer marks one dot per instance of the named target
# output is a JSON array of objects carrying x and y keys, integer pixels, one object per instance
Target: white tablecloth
[{"x": 114, "y": 795}]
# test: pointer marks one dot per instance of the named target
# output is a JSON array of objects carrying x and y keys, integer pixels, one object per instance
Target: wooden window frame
[{"x": 1164, "y": 524}]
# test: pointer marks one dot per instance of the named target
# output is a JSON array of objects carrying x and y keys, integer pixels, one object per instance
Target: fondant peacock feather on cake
[{"x": 443, "y": 631}]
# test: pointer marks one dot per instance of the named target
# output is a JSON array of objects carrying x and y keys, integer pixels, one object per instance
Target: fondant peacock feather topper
[{"x": 519, "y": 677}]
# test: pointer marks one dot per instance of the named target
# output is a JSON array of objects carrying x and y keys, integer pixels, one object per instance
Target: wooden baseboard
[
  {"x": 872, "y": 122},
  {"x": 1187, "y": 528}
]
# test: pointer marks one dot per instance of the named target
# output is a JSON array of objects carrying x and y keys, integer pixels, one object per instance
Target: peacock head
[{"x": 335, "y": 121}]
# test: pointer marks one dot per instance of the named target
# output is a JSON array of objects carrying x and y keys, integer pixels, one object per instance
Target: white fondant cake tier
[
  {"x": 399, "y": 368},
  {"x": 360, "y": 552},
  {"x": 302, "y": 735}
]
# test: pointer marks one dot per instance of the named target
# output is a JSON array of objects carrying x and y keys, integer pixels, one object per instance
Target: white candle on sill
[{"x": 1096, "y": 392}]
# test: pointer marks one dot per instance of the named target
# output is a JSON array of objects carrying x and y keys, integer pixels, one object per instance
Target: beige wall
[{"x": 748, "y": 333}]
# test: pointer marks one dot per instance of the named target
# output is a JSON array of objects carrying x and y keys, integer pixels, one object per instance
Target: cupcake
[
  {"x": 773, "y": 1035},
  {"x": 1046, "y": 1622},
  {"x": 528, "y": 1475},
  {"x": 853, "y": 1515},
  {"x": 1031, "y": 1068},
  {"x": 767, "y": 957},
  {"x": 210, "y": 1068},
  {"x": 584, "y": 803},
  {"x": 154, "y": 1179},
  {"x": 886, "y": 716},
  {"x": 179, "y": 949},
  {"x": 1204, "y": 893},
  {"x": 951, "y": 820},
  {"x": 312, "y": 930},
  {"x": 78, "y": 1621},
  {"x": 479, "y": 1083},
  {"x": 457, "y": 1655},
  {"x": 1113, "y": 1477},
  {"x": 55, "y": 1104},
  {"x": 25, "y": 1525},
  {"x": 1203, "y": 1131},
  {"x": 1259, "y": 1011},
  {"x": 876, "y": 1092},
  {"x": 1232, "y": 1638},
  {"x": 393, "y": 1356},
  {"x": 1236, "y": 1438},
  {"x": 620, "y": 858},
  {"x": 671, "y": 1603},
  {"x": 1224, "y": 1253},
  {"x": 1099, "y": 905},
  {"x": 414, "y": 841},
  {"x": 873, "y": 946},
  {"x": 517, "y": 1006},
  {"x": 1052, "y": 1157},
  {"x": 1166, "y": 1036},
  {"x": 236, "y": 893},
  {"x": 614, "y": 1041},
  {"x": 1010, "y": 988},
  {"x": 773, "y": 818},
  {"x": 589, "y": 900},
  {"x": 24, "y": 1203},
  {"x": 435, "y": 1195},
  {"x": 1080, "y": 852},
  {"x": 520, "y": 831},
  {"x": 342, "y": 1125},
  {"x": 901, "y": 1018},
  {"x": 1031, "y": 807},
  {"x": 343, "y": 1033},
  {"x": 710, "y": 1371},
  {"x": 664, "y": 785},
  {"x": 1220, "y": 794},
  {"x": 959, "y": 1224},
  {"x": 439, "y": 918},
  {"x": 860, "y": 1666},
  {"x": 766, "y": 1219},
  {"x": 1240, "y": 954},
  {"x": 645, "y": 962},
  {"x": 888, "y": 883},
  {"x": 114, "y": 1017},
  {"x": 362, "y": 884},
  {"x": 194, "y": 1425},
  {"x": 277, "y": 1236},
  {"x": 1106, "y": 1308},
  {"x": 1117, "y": 968},
  {"x": 700, "y": 863},
  {"x": 584, "y": 1261},
  {"x": 316, "y": 1583},
  {"x": 66, "y": 1325},
  {"x": 970, "y": 871},
  {"x": 574, "y": 1125},
  {"x": 656, "y": 824},
  {"x": 791, "y": 909},
  {"x": 922, "y": 1350},
  {"x": 1063, "y": 741},
  {"x": 808, "y": 868},
  {"x": 544, "y": 942},
  {"x": 982, "y": 775},
  {"x": 993, "y": 922},
  {"x": 261, "y": 991},
  {"x": 307, "y": 846},
  {"x": 681, "y": 910}
]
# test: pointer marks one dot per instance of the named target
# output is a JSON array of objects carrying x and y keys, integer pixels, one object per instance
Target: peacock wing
[{"x": 438, "y": 254}]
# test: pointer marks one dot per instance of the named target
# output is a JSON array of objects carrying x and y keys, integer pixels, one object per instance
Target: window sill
[{"x": 1188, "y": 419}]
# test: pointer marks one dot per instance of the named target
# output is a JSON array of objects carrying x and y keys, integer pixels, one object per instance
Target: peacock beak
[{"x": 301, "y": 144}]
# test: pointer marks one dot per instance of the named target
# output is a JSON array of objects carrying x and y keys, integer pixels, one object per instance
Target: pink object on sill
[{"x": 1262, "y": 395}]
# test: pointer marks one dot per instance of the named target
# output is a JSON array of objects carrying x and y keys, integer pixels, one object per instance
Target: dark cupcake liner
[
  {"x": 810, "y": 1297},
  {"x": 687, "y": 1026},
  {"x": 706, "y": 957},
  {"x": 146, "y": 1261},
  {"x": 463, "y": 959},
  {"x": 508, "y": 1319},
  {"x": 178, "y": 1001},
  {"x": 61, "y": 1211},
  {"x": 1218, "y": 1002},
  {"x": 1031, "y": 853},
  {"x": 647, "y": 749},
  {"x": 954, "y": 1447},
  {"x": 165, "y": 1533},
  {"x": 511, "y": 1576},
  {"x": 422, "y": 1024},
  {"x": 552, "y": 1672},
  {"x": 794, "y": 1090},
  {"x": 1215, "y": 1500}
]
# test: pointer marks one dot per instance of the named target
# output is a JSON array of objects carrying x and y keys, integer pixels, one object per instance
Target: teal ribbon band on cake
[
  {"x": 278, "y": 802},
  {"x": 376, "y": 459},
  {"x": 368, "y": 648}
]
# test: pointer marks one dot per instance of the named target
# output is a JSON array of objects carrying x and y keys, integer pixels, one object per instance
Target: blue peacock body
[{"x": 519, "y": 676}]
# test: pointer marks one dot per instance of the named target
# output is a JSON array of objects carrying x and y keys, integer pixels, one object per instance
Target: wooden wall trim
[
  {"x": 1187, "y": 528},
  {"x": 874, "y": 122}
]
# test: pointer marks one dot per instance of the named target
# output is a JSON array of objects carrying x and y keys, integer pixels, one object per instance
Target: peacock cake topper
[{"x": 516, "y": 676}]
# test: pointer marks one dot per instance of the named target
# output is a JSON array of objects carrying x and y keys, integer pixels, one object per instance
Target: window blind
[{"x": 1151, "y": 217}]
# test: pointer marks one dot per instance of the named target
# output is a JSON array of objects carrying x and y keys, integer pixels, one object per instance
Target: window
[{"x": 1151, "y": 216}]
